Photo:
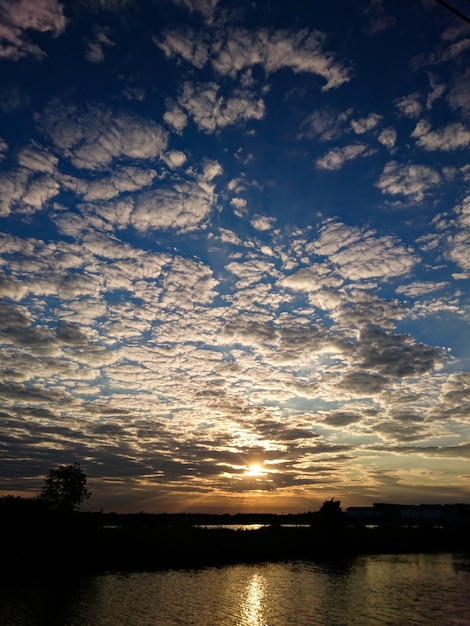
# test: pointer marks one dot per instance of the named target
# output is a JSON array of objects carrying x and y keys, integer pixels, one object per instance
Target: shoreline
[{"x": 82, "y": 549}]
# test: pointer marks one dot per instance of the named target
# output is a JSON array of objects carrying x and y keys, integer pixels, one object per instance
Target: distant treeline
[{"x": 36, "y": 539}]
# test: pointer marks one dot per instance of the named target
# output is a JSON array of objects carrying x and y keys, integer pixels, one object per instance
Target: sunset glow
[{"x": 255, "y": 470}]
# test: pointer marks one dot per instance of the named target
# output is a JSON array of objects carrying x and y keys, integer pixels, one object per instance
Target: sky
[{"x": 234, "y": 251}]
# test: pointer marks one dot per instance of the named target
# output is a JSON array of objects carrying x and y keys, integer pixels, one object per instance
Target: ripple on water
[{"x": 412, "y": 590}]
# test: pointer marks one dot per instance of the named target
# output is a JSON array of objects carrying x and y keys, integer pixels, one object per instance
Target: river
[{"x": 368, "y": 590}]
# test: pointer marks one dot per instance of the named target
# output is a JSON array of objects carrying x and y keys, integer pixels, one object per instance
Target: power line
[{"x": 454, "y": 10}]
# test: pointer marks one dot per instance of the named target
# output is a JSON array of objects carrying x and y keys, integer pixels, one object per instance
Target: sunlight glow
[{"x": 255, "y": 469}]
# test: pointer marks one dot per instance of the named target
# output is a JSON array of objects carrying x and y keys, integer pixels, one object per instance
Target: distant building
[{"x": 410, "y": 514}]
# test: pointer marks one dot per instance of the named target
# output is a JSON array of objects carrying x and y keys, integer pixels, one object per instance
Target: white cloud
[
  {"x": 40, "y": 189},
  {"x": 176, "y": 118},
  {"x": 122, "y": 180},
  {"x": 239, "y": 205},
  {"x": 388, "y": 137},
  {"x": 211, "y": 169},
  {"x": 38, "y": 159},
  {"x": 183, "y": 208},
  {"x": 25, "y": 191},
  {"x": 44, "y": 16},
  {"x": 313, "y": 279},
  {"x": 175, "y": 159},
  {"x": 240, "y": 49},
  {"x": 335, "y": 158},
  {"x": 459, "y": 249},
  {"x": 94, "y": 136},
  {"x": 211, "y": 111},
  {"x": 410, "y": 106},
  {"x": 454, "y": 136},
  {"x": 301, "y": 51},
  {"x": 262, "y": 222},
  {"x": 459, "y": 93},
  {"x": 454, "y": 235},
  {"x": 419, "y": 288},
  {"x": 412, "y": 181},
  {"x": 364, "y": 124},
  {"x": 359, "y": 254},
  {"x": 185, "y": 44}
]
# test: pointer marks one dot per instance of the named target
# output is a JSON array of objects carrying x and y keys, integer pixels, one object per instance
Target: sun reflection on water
[{"x": 253, "y": 607}]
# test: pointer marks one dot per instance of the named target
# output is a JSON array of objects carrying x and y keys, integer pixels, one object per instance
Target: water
[{"x": 371, "y": 590}]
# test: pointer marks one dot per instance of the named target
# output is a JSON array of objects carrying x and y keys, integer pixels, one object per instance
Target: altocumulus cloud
[{"x": 221, "y": 246}]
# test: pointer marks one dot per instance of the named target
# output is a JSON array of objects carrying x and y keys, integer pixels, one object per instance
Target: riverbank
[{"x": 76, "y": 546}]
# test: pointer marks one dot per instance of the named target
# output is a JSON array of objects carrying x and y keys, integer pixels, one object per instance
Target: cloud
[
  {"x": 410, "y": 106},
  {"x": 105, "y": 5},
  {"x": 169, "y": 317},
  {"x": 454, "y": 42},
  {"x": 122, "y": 180},
  {"x": 335, "y": 158},
  {"x": 3, "y": 149},
  {"x": 359, "y": 254},
  {"x": 43, "y": 16},
  {"x": 379, "y": 21},
  {"x": 204, "y": 7},
  {"x": 326, "y": 124},
  {"x": 396, "y": 356},
  {"x": 238, "y": 49},
  {"x": 93, "y": 136},
  {"x": 458, "y": 95},
  {"x": 457, "y": 236},
  {"x": 38, "y": 159},
  {"x": 418, "y": 288},
  {"x": 365, "y": 124},
  {"x": 95, "y": 47},
  {"x": 340, "y": 419},
  {"x": 176, "y": 118},
  {"x": 26, "y": 192},
  {"x": 13, "y": 99},
  {"x": 411, "y": 181},
  {"x": 361, "y": 384},
  {"x": 262, "y": 222},
  {"x": 239, "y": 205},
  {"x": 188, "y": 45},
  {"x": 183, "y": 206},
  {"x": 388, "y": 137},
  {"x": 300, "y": 51},
  {"x": 454, "y": 399},
  {"x": 211, "y": 111},
  {"x": 437, "y": 90},
  {"x": 312, "y": 279},
  {"x": 175, "y": 159},
  {"x": 454, "y": 136}
]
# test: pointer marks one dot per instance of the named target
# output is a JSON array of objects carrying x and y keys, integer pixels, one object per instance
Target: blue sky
[{"x": 235, "y": 233}]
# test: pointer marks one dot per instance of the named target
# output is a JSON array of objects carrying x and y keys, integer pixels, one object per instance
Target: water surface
[{"x": 405, "y": 589}]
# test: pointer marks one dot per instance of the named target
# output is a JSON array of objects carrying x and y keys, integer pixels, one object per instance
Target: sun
[{"x": 255, "y": 469}]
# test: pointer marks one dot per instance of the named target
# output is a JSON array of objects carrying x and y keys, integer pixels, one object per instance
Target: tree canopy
[
  {"x": 65, "y": 488},
  {"x": 331, "y": 513}
]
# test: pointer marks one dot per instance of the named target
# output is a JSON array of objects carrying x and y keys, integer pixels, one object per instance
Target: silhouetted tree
[
  {"x": 331, "y": 513},
  {"x": 65, "y": 488}
]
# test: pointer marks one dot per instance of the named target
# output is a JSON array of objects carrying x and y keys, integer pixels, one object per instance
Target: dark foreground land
[{"x": 89, "y": 542}]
